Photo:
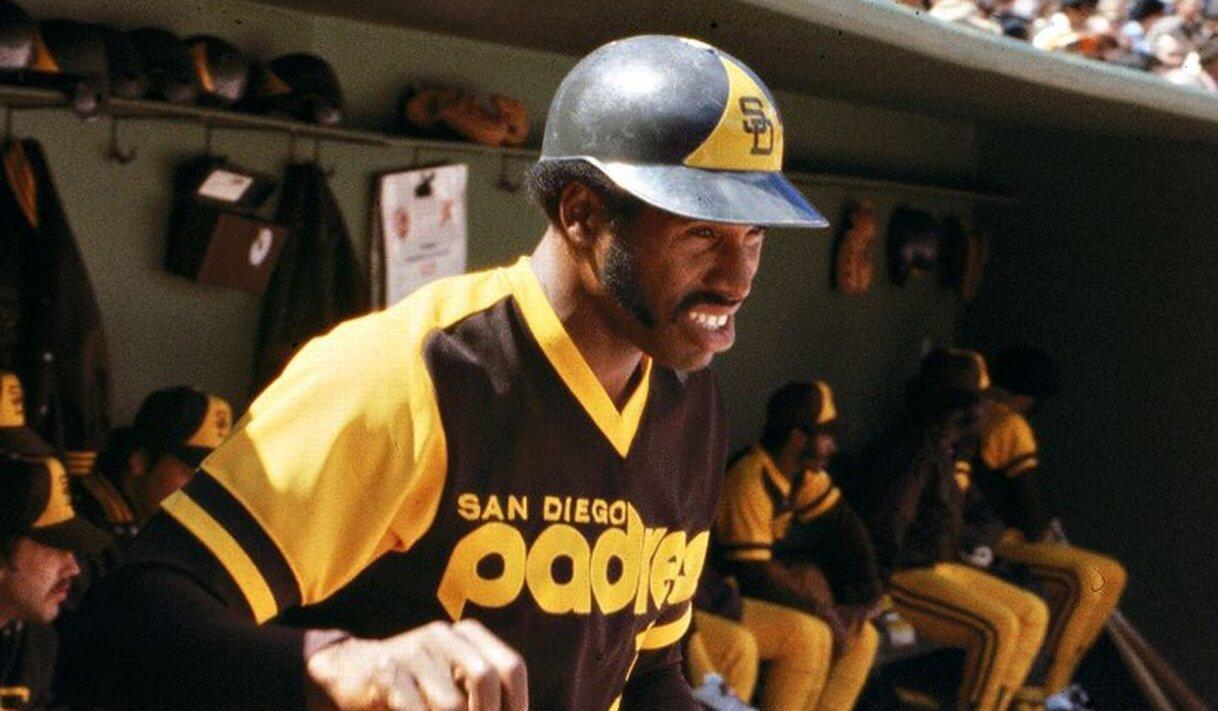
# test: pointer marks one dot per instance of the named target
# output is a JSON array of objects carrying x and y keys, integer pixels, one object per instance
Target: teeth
[{"x": 708, "y": 321}]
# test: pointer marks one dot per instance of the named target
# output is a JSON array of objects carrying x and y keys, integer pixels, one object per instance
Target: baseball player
[
  {"x": 40, "y": 537},
  {"x": 803, "y": 559},
  {"x": 497, "y": 493},
  {"x": 1082, "y": 587},
  {"x": 174, "y": 429},
  {"x": 918, "y": 529}
]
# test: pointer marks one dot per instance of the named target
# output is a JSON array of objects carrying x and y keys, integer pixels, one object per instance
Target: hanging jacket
[
  {"x": 50, "y": 324},
  {"x": 318, "y": 281}
]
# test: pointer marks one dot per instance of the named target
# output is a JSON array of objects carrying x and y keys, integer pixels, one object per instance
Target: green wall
[
  {"x": 164, "y": 330},
  {"x": 1110, "y": 264}
]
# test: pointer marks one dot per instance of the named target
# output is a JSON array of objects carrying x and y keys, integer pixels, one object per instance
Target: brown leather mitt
[
  {"x": 853, "y": 263},
  {"x": 447, "y": 111}
]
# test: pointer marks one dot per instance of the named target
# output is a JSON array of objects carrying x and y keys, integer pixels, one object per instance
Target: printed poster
[{"x": 422, "y": 227}]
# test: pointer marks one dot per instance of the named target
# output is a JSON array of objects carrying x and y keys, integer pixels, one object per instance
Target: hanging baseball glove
[
  {"x": 852, "y": 258},
  {"x": 445, "y": 112}
]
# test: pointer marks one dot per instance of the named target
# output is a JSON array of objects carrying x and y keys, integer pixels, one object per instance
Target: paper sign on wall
[{"x": 423, "y": 227}]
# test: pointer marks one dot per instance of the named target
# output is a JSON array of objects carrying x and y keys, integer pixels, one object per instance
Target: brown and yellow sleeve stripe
[
  {"x": 1022, "y": 464},
  {"x": 253, "y": 560},
  {"x": 80, "y": 462},
  {"x": 745, "y": 552},
  {"x": 819, "y": 506},
  {"x": 964, "y": 475}
]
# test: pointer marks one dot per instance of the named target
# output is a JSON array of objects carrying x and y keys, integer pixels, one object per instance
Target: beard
[{"x": 620, "y": 278}]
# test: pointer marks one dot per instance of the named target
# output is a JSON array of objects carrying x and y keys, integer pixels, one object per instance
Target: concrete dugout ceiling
[{"x": 869, "y": 51}]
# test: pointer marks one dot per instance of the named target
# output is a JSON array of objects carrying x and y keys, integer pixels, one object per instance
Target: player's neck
[
  {"x": 615, "y": 361},
  {"x": 788, "y": 461}
]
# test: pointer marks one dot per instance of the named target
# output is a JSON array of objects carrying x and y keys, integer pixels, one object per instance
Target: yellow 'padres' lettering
[
  {"x": 492, "y": 565},
  {"x": 467, "y": 585},
  {"x": 560, "y": 541}
]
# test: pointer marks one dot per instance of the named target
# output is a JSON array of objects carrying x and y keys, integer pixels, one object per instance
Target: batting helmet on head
[{"x": 681, "y": 126}]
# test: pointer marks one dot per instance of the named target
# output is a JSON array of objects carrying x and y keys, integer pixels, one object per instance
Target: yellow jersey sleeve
[
  {"x": 1009, "y": 446},
  {"x": 744, "y": 521},
  {"x": 322, "y": 463},
  {"x": 816, "y": 496}
]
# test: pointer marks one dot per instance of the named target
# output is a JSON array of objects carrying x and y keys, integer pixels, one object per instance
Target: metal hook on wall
[
  {"x": 115, "y": 153},
  {"x": 505, "y": 183}
]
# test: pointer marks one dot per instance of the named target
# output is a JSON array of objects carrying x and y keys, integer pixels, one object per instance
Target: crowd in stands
[{"x": 1171, "y": 39}]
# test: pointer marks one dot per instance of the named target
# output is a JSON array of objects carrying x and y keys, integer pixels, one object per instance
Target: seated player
[
  {"x": 40, "y": 536},
  {"x": 918, "y": 530},
  {"x": 174, "y": 430},
  {"x": 801, "y": 556},
  {"x": 1082, "y": 587}
]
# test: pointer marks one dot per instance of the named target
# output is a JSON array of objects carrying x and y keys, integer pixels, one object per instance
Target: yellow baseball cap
[
  {"x": 15, "y": 436},
  {"x": 184, "y": 422}
]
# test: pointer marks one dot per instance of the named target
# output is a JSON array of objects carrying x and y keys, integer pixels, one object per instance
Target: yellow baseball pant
[
  {"x": 803, "y": 674},
  {"x": 725, "y": 647},
  {"x": 1082, "y": 588},
  {"x": 999, "y": 626}
]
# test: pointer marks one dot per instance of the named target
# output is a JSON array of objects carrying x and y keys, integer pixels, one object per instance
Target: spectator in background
[
  {"x": 1076, "y": 28},
  {"x": 1142, "y": 15},
  {"x": 1205, "y": 74},
  {"x": 1169, "y": 49},
  {"x": 972, "y": 13},
  {"x": 1187, "y": 21}
]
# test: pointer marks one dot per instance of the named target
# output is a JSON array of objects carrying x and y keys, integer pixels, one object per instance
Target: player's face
[
  {"x": 168, "y": 475},
  {"x": 681, "y": 282},
  {"x": 34, "y": 581},
  {"x": 962, "y": 427},
  {"x": 819, "y": 450}
]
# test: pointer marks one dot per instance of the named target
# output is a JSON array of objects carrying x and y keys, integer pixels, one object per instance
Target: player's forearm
[
  {"x": 774, "y": 582},
  {"x": 1030, "y": 514},
  {"x": 854, "y": 571}
]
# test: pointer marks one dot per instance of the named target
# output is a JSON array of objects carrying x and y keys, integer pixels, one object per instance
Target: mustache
[{"x": 697, "y": 298}]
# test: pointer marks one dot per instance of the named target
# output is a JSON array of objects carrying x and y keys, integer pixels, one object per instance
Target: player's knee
[
  {"x": 1112, "y": 576},
  {"x": 1006, "y": 625},
  {"x": 744, "y": 647},
  {"x": 809, "y": 636},
  {"x": 867, "y": 641},
  {"x": 1036, "y": 614}
]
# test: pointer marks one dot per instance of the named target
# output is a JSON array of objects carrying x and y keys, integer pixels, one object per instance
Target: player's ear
[{"x": 582, "y": 217}]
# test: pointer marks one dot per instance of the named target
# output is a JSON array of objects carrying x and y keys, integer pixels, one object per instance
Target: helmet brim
[{"x": 737, "y": 197}]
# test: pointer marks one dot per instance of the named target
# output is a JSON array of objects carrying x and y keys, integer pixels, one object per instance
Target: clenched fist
[{"x": 438, "y": 667}]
